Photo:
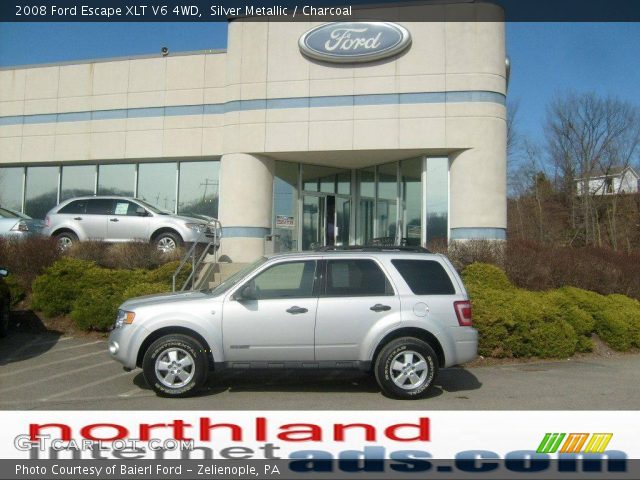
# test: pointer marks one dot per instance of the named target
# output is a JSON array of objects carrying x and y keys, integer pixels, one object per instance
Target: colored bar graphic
[
  {"x": 598, "y": 442},
  {"x": 550, "y": 442},
  {"x": 574, "y": 443}
]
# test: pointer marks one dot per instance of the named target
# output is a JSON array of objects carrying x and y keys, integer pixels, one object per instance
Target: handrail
[{"x": 212, "y": 231}]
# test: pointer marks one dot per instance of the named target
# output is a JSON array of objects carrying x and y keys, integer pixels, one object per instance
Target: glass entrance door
[{"x": 325, "y": 220}]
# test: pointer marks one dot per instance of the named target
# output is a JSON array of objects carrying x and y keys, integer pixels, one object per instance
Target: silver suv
[
  {"x": 401, "y": 314},
  {"x": 119, "y": 219}
]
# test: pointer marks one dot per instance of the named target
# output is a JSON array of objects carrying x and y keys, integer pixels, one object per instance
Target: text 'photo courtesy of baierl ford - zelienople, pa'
[{"x": 321, "y": 239}]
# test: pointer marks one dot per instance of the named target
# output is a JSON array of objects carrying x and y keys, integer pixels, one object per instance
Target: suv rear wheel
[
  {"x": 175, "y": 365},
  {"x": 406, "y": 367}
]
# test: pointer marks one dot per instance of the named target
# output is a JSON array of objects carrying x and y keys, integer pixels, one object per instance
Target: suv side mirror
[
  {"x": 248, "y": 292},
  {"x": 141, "y": 212},
  {"x": 3, "y": 272}
]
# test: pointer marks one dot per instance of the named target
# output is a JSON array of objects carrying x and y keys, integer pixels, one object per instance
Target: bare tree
[{"x": 589, "y": 136}]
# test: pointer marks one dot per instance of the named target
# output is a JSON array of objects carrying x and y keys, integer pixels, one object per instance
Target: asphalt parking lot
[{"x": 45, "y": 370}]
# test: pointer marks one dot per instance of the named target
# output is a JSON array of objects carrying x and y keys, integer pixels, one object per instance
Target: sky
[{"x": 548, "y": 59}]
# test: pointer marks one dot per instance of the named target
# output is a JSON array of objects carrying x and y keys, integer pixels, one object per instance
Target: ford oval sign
[{"x": 347, "y": 42}]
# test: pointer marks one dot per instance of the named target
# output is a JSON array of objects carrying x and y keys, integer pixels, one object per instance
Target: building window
[
  {"x": 157, "y": 184},
  {"x": 387, "y": 204},
  {"x": 285, "y": 206},
  {"x": 437, "y": 199},
  {"x": 42, "y": 190},
  {"x": 77, "y": 181},
  {"x": 198, "y": 188},
  {"x": 411, "y": 198},
  {"x": 11, "y": 180},
  {"x": 118, "y": 179}
]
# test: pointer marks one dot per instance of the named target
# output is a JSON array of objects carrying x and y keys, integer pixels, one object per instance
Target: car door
[
  {"x": 276, "y": 322},
  {"x": 125, "y": 224},
  {"x": 357, "y": 295},
  {"x": 94, "y": 221}
]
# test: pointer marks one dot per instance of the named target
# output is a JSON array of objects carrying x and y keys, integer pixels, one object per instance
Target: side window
[
  {"x": 124, "y": 207},
  {"x": 425, "y": 277},
  {"x": 100, "y": 206},
  {"x": 356, "y": 278},
  {"x": 77, "y": 206},
  {"x": 286, "y": 280}
]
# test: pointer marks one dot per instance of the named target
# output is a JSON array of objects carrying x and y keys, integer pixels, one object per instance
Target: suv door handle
[
  {"x": 296, "y": 310},
  {"x": 114, "y": 220},
  {"x": 78, "y": 218},
  {"x": 378, "y": 307}
]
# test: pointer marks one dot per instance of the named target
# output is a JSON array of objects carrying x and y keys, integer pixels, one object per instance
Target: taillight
[{"x": 463, "y": 312}]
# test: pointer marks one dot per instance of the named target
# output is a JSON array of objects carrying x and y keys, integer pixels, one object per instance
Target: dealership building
[{"x": 299, "y": 134}]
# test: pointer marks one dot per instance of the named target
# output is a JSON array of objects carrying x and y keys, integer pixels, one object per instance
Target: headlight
[
  {"x": 21, "y": 226},
  {"x": 124, "y": 318},
  {"x": 198, "y": 227}
]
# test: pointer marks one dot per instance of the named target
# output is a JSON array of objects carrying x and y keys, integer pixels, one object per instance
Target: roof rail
[{"x": 371, "y": 248}]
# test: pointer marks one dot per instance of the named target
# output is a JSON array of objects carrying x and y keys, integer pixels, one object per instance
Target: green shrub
[
  {"x": 96, "y": 308},
  {"x": 92, "y": 294},
  {"x": 628, "y": 309},
  {"x": 142, "y": 289},
  {"x": 55, "y": 291},
  {"x": 484, "y": 275},
  {"x": 517, "y": 323},
  {"x": 580, "y": 320},
  {"x": 611, "y": 317}
]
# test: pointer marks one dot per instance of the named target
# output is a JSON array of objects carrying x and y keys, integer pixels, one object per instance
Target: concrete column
[
  {"x": 478, "y": 185},
  {"x": 246, "y": 197}
]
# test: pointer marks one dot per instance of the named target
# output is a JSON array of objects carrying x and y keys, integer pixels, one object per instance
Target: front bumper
[{"x": 125, "y": 342}]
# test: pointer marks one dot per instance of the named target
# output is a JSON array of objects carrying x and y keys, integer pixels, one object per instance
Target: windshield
[
  {"x": 153, "y": 208},
  {"x": 236, "y": 277}
]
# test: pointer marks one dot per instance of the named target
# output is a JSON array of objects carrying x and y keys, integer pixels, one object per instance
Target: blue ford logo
[{"x": 346, "y": 42}]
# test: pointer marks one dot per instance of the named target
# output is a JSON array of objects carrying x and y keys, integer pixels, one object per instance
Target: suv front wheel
[
  {"x": 167, "y": 242},
  {"x": 406, "y": 367},
  {"x": 175, "y": 366}
]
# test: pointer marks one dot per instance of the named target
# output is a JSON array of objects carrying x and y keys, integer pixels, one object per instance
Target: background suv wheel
[
  {"x": 175, "y": 365},
  {"x": 168, "y": 242},
  {"x": 406, "y": 367},
  {"x": 66, "y": 240}
]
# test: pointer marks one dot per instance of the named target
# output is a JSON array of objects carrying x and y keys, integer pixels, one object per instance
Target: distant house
[{"x": 614, "y": 181}]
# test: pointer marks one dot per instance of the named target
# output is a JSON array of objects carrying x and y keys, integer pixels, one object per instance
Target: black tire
[
  {"x": 167, "y": 242},
  {"x": 160, "y": 353},
  {"x": 66, "y": 240},
  {"x": 404, "y": 351},
  {"x": 5, "y": 312}
]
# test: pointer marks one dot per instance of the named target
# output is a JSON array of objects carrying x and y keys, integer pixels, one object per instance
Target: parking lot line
[
  {"x": 131, "y": 393},
  {"x": 53, "y": 377},
  {"x": 87, "y": 385},
  {"x": 48, "y": 364}
]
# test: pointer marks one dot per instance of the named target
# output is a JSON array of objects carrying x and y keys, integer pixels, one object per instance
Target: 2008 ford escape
[{"x": 401, "y": 314}]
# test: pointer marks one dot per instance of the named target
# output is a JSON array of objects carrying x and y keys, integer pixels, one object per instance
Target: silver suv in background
[
  {"x": 119, "y": 219},
  {"x": 400, "y": 314}
]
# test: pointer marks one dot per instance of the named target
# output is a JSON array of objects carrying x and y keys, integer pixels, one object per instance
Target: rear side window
[
  {"x": 77, "y": 206},
  {"x": 425, "y": 277},
  {"x": 100, "y": 206},
  {"x": 356, "y": 278}
]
